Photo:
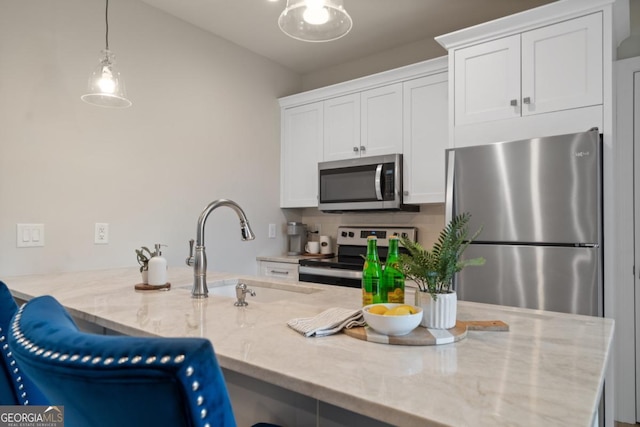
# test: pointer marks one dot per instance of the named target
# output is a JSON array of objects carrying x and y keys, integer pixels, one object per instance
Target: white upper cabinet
[
  {"x": 301, "y": 149},
  {"x": 385, "y": 113},
  {"x": 425, "y": 138},
  {"x": 562, "y": 65},
  {"x": 381, "y": 120},
  {"x": 487, "y": 81},
  {"x": 368, "y": 123},
  {"x": 552, "y": 68},
  {"x": 342, "y": 127}
]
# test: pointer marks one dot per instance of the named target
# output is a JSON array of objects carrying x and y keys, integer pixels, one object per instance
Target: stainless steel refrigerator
[{"x": 539, "y": 202}]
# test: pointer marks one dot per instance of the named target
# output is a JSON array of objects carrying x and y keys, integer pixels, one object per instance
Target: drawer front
[{"x": 280, "y": 270}]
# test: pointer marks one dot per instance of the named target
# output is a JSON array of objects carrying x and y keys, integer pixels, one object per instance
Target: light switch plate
[
  {"x": 29, "y": 235},
  {"x": 272, "y": 231}
]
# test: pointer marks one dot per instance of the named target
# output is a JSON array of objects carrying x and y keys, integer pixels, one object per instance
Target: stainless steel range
[{"x": 346, "y": 268}]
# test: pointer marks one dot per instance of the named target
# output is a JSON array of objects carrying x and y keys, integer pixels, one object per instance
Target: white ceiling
[{"x": 379, "y": 25}]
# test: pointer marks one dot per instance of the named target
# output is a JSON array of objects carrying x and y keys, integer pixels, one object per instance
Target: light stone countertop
[
  {"x": 547, "y": 370},
  {"x": 289, "y": 259}
]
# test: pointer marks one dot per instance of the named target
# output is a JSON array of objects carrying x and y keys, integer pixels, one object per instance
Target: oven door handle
[
  {"x": 331, "y": 272},
  {"x": 378, "y": 182}
]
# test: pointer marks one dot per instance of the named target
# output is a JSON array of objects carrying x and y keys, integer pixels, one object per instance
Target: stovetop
[{"x": 352, "y": 246}]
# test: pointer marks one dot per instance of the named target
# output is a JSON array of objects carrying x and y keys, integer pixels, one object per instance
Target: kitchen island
[{"x": 548, "y": 369}]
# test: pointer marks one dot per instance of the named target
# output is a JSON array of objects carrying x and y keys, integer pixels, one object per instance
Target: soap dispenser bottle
[{"x": 158, "y": 268}]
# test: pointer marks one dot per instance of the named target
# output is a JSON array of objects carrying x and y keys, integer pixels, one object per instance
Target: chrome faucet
[{"x": 199, "y": 260}]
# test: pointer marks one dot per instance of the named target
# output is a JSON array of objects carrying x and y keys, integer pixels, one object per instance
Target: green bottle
[
  {"x": 392, "y": 277},
  {"x": 371, "y": 273}
]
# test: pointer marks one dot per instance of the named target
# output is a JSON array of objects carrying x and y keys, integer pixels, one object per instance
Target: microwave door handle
[{"x": 378, "y": 182}]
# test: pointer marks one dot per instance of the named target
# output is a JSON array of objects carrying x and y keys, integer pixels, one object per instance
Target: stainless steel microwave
[{"x": 363, "y": 184}]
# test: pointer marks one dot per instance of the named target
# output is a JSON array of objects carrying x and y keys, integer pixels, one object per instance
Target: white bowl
[{"x": 392, "y": 325}]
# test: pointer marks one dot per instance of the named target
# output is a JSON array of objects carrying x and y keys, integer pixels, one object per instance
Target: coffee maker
[{"x": 296, "y": 238}]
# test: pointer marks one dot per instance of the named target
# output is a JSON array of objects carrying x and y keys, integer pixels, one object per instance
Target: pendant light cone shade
[
  {"x": 106, "y": 86},
  {"x": 315, "y": 20}
]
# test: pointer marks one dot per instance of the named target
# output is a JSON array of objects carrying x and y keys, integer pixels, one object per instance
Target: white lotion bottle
[{"x": 158, "y": 268}]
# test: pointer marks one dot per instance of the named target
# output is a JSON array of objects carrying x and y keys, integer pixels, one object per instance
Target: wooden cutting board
[{"x": 425, "y": 336}]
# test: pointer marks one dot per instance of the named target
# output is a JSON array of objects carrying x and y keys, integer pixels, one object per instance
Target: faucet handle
[{"x": 189, "y": 259}]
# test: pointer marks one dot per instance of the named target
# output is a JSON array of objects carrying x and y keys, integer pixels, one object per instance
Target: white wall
[{"x": 204, "y": 125}]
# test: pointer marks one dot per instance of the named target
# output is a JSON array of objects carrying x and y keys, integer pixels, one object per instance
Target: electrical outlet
[
  {"x": 29, "y": 235},
  {"x": 272, "y": 231},
  {"x": 101, "y": 236}
]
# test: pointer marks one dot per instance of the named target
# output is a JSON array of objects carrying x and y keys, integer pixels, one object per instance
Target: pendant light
[
  {"x": 315, "y": 20},
  {"x": 106, "y": 86}
]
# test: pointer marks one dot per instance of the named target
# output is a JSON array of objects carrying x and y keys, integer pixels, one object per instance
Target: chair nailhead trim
[
  {"x": 85, "y": 359},
  {"x": 136, "y": 359},
  {"x": 189, "y": 371},
  {"x": 203, "y": 413},
  {"x": 150, "y": 360},
  {"x": 12, "y": 363},
  {"x": 179, "y": 359},
  {"x": 96, "y": 359},
  {"x": 108, "y": 361},
  {"x": 123, "y": 360},
  {"x": 200, "y": 400},
  {"x": 165, "y": 359},
  {"x": 195, "y": 386}
]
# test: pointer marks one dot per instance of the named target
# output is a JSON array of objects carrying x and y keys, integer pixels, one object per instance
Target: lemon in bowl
[{"x": 392, "y": 319}]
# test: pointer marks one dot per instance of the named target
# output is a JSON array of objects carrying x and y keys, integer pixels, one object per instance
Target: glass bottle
[
  {"x": 371, "y": 273},
  {"x": 392, "y": 284}
]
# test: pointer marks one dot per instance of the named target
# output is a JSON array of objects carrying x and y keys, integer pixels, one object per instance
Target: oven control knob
[
  {"x": 344, "y": 234},
  {"x": 405, "y": 235},
  {"x": 351, "y": 234}
]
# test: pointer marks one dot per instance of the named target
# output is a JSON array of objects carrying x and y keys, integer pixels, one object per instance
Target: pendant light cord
[{"x": 106, "y": 21}]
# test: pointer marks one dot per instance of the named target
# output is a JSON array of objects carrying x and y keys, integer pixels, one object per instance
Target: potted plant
[
  {"x": 143, "y": 255},
  {"x": 433, "y": 271}
]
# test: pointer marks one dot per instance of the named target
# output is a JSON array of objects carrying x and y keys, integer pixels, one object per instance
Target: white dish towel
[{"x": 328, "y": 322}]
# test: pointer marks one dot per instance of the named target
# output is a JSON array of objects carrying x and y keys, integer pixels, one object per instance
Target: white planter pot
[
  {"x": 438, "y": 314},
  {"x": 145, "y": 277}
]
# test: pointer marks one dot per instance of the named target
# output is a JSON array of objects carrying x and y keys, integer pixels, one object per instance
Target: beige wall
[
  {"x": 383, "y": 61},
  {"x": 204, "y": 125}
]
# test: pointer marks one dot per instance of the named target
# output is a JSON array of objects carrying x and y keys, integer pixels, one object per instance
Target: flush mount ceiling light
[
  {"x": 315, "y": 20},
  {"x": 106, "y": 86}
]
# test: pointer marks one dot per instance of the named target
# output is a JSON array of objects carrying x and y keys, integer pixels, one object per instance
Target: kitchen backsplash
[{"x": 429, "y": 221}]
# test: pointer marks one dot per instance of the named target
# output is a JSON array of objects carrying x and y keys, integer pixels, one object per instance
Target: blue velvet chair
[
  {"x": 118, "y": 381},
  {"x": 15, "y": 387}
]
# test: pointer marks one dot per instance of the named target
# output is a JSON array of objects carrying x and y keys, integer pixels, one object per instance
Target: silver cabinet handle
[
  {"x": 526, "y": 100},
  {"x": 279, "y": 272},
  {"x": 513, "y": 102},
  {"x": 355, "y": 149},
  {"x": 363, "y": 148}
]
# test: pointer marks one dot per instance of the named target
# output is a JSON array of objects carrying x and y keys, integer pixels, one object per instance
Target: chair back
[
  {"x": 104, "y": 381},
  {"x": 15, "y": 387}
]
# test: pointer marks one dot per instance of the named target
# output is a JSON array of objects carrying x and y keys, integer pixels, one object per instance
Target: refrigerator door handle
[{"x": 448, "y": 195}]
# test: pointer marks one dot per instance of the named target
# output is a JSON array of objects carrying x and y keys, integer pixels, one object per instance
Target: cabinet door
[
  {"x": 381, "y": 120},
  {"x": 487, "y": 81},
  {"x": 342, "y": 127},
  {"x": 425, "y": 138},
  {"x": 301, "y": 149},
  {"x": 562, "y": 65}
]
